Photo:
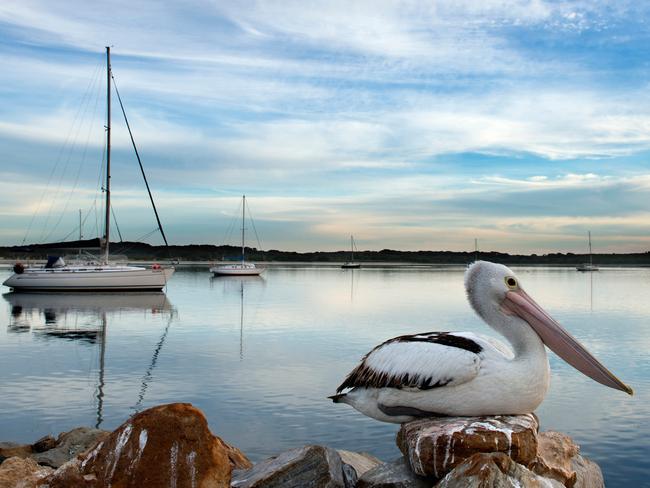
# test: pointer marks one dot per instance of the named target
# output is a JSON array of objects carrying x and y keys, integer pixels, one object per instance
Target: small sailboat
[
  {"x": 242, "y": 268},
  {"x": 100, "y": 274},
  {"x": 351, "y": 264},
  {"x": 587, "y": 267}
]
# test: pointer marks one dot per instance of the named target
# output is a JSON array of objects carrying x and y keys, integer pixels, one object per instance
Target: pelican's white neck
[{"x": 524, "y": 340}]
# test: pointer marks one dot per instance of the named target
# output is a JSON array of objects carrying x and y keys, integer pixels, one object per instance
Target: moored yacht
[
  {"x": 243, "y": 267},
  {"x": 98, "y": 274},
  {"x": 351, "y": 264},
  {"x": 99, "y": 277},
  {"x": 590, "y": 266}
]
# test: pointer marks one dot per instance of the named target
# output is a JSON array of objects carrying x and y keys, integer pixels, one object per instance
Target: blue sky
[{"x": 412, "y": 125}]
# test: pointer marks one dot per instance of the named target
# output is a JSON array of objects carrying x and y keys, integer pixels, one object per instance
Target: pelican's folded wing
[{"x": 422, "y": 361}]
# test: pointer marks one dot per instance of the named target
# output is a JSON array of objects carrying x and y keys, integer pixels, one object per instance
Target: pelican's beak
[{"x": 517, "y": 302}]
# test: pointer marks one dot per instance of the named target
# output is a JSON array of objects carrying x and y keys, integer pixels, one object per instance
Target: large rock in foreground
[
  {"x": 435, "y": 446},
  {"x": 304, "y": 467},
  {"x": 168, "y": 445}
]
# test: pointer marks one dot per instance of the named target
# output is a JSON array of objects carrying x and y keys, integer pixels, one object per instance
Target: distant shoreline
[
  {"x": 6, "y": 263},
  {"x": 204, "y": 254}
]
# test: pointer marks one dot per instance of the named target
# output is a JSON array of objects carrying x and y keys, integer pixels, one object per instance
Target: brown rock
[
  {"x": 393, "y": 475},
  {"x": 12, "y": 449},
  {"x": 68, "y": 445},
  {"x": 238, "y": 459},
  {"x": 17, "y": 472},
  {"x": 588, "y": 473},
  {"x": 554, "y": 453},
  {"x": 44, "y": 444},
  {"x": 168, "y": 445},
  {"x": 435, "y": 446},
  {"x": 493, "y": 470},
  {"x": 360, "y": 461},
  {"x": 305, "y": 467}
]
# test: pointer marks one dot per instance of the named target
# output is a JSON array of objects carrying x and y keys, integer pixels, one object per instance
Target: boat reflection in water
[
  {"x": 84, "y": 317},
  {"x": 237, "y": 284}
]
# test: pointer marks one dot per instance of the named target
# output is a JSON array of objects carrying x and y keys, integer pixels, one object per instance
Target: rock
[
  {"x": 554, "y": 453},
  {"x": 12, "y": 449},
  {"x": 360, "y": 461},
  {"x": 434, "y": 446},
  {"x": 168, "y": 445},
  {"x": 393, "y": 475},
  {"x": 238, "y": 459},
  {"x": 588, "y": 473},
  {"x": 558, "y": 458},
  {"x": 44, "y": 444},
  {"x": 493, "y": 470},
  {"x": 350, "y": 476},
  {"x": 19, "y": 472},
  {"x": 68, "y": 445},
  {"x": 304, "y": 467}
]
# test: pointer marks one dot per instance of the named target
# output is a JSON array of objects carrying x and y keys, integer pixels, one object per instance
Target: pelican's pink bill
[{"x": 517, "y": 302}]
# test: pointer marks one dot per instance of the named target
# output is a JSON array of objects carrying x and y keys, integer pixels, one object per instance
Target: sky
[{"x": 412, "y": 125}]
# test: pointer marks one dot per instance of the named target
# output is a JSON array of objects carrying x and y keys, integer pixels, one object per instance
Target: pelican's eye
[{"x": 511, "y": 282}]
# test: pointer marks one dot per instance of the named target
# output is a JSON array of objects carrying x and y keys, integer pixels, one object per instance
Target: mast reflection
[
  {"x": 237, "y": 284},
  {"x": 84, "y": 317}
]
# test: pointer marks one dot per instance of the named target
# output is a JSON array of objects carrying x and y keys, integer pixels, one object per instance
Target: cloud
[
  {"x": 398, "y": 212},
  {"x": 417, "y": 124}
]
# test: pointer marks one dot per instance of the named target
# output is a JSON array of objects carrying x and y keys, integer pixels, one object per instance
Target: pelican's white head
[
  {"x": 486, "y": 285},
  {"x": 497, "y": 296}
]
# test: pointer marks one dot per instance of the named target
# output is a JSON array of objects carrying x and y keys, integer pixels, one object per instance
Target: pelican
[{"x": 465, "y": 374}]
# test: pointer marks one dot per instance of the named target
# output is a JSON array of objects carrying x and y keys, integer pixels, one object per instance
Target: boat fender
[
  {"x": 155, "y": 266},
  {"x": 19, "y": 268}
]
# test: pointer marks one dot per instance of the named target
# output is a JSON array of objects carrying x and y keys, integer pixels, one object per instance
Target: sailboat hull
[
  {"x": 587, "y": 267},
  {"x": 247, "y": 269},
  {"x": 351, "y": 266},
  {"x": 102, "y": 278}
]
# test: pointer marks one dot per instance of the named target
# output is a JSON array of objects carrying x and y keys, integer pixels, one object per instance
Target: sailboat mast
[
  {"x": 107, "y": 189},
  {"x": 352, "y": 247},
  {"x": 243, "y": 213},
  {"x": 591, "y": 258}
]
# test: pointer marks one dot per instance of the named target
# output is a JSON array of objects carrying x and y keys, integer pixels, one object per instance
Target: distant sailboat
[
  {"x": 590, "y": 265},
  {"x": 56, "y": 275},
  {"x": 351, "y": 264},
  {"x": 243, "y": 268}
]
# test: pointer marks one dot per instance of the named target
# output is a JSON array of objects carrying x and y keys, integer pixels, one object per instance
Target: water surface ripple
[{"x": 260, "y": 355}]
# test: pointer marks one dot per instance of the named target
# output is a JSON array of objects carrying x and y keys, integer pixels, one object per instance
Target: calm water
[{"x": 260, "y": 355}]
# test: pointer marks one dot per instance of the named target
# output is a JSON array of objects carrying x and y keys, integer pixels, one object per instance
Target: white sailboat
[
  {"x": 587, "y": 267},
  {"x": 242, "y": 268},
  {"x": 351, "y": 264},
  {"x": 98, "y": 275}
]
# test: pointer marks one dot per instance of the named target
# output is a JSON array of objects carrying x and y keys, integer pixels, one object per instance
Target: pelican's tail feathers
[{"x": 338, "y": 398}]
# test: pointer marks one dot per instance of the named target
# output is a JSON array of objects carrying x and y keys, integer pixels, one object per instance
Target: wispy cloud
[{"x": 417, "y": 124}]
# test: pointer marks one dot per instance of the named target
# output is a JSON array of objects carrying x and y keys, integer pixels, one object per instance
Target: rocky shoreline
[{"x": 171, "y": 445}]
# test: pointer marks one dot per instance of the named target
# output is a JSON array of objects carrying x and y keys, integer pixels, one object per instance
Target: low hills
[{"x": 208, "y": 252}]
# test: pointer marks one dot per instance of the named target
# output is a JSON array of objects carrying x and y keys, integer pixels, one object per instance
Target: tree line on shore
[{"x": 209, "y": 252}]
